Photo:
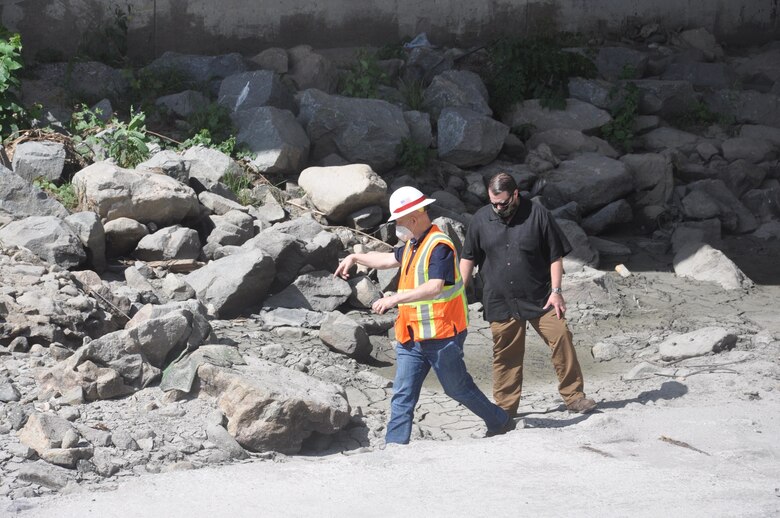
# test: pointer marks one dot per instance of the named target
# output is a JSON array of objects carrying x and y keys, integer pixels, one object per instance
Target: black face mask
[{"x": 507, "y": 211}]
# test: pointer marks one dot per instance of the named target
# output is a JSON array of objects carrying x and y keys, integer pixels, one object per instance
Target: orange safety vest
[{"x": 441, "y": 317}]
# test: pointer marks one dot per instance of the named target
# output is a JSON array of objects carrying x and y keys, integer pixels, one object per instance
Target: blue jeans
[{"x": 413, "y": 361}]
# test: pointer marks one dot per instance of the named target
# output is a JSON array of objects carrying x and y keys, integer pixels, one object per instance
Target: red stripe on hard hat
[{"x": 410, "y": 204}]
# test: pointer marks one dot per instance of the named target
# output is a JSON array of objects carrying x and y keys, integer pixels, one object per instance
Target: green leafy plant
[
  {"x": 215, "y": 118},
  {"x": 13, "y": 115},
  {"x": 364, "y": 77},
  {"x": 64, "y": 193},
  {"x": 203, "y": 138},
  {"x": 414, "y": 156},
  {"x": 539, "y": 68},
  {"x": 127, "y": 142},
  {"x": 620, "y": 131},
  {"x": 391, "y": 51}
]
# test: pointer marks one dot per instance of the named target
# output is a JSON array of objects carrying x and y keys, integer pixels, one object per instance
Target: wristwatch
[{"x": 557, "y": 290}]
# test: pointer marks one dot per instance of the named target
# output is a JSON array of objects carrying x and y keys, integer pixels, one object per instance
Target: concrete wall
[{"x": 248, "y": 26}]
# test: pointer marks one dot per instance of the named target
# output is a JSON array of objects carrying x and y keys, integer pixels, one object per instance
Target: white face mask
[{"x": 403, "y": 233}]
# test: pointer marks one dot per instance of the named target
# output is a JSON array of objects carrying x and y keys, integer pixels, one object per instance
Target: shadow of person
[{"x": 667, "y": 390}]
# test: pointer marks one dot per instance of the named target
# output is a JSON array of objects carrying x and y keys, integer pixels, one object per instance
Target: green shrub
[
  {"x": 239, "y": 184},
  {"x": 412, "y": 92},
  {"x": 203, "y": 138},
  {"x": 521, "y": 69},
  {"x": 215, "y": 118},
  {"x": 698, "y": 116},
  {"x": 107, "y": 42},
  {"x": 13, "y": 116},
  {"x": 64, "y": 193},
  {"x": 620, "y": 131},
  {"x": 364, "y": 77}
]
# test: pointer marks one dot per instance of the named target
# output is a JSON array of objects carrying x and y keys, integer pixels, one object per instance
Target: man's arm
[
  {"x": 466, "y": 270},
  {"x": 425, "y": 291},
  {"x": 556, "y": 278},
  {"x": 379, "y": 260}
]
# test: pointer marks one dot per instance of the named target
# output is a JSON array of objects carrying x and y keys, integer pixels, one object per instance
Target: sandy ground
[{"x": 699, "y": 438}]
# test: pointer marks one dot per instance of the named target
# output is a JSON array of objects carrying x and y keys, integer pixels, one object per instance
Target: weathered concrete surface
[{"x": 250, "y": 26}]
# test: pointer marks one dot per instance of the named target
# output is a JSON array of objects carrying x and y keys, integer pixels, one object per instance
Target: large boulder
[
  {"x": 20, "y": 199},
  {"x": 113, "y": 192},
  {"x": 275, "y": 138},
  {"x": 665, "y": 98},
  {"x": 345, "y": 336},
  {"x": 249, "y": 90},
  {"x": 746, "y": 106},
  {"x": 456, "y": 89},
  {"x": 591, "y": 180},
  {"x": 89, "y": 229},
  {"x": 583, "y": 254},
  {"x": 696, "y": 343},
  {"x": 309, "y": 69},
  {"x": 183, "y": 104},
  {"x": 270, "y": 407},
  {"x": 48, "y": 237},
  {"x": 467, "y": 138},
  {"x": 174, "y": 242},
  {"x": 577, "y": 115},
  {"x": 207, "y": 167},
  {"x": 318, "y": 291},
  {"x": 368, "y": 131},
  {"x": 341, "y": 190},
  {"x": 39, "y": 159},
  {"x": 704, "y": 263},
  {"x": 234, "y": 283}
]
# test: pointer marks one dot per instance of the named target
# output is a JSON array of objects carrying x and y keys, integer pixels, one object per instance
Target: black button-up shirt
[{"x": 514, "y": 259}]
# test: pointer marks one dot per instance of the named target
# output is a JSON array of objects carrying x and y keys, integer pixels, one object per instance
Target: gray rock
[
  {"x": 269, "y": 407},
  {"x": 19, "y": 199},
  {"x": 45, "y": 475},
  {"x": 219, "y": 205},
  {"x": 196, "y": 68},
  {"x": 39, "y": 159},
  {"x": 174, "y": 242},
  {"x": 234, "y": 283},
  {"x": 664, "y": 138},
  {"x": 48, "y": 237},
  {"x": 123, "y": 235},
  {"x": 113, "y": 192},
  {"x": 339, "y": 191},
  {"x": 44, "y": 431},
  {"x": 582, "y": 254},
  {"x": 364, "y": 292},
  {"x": 425, "y": 63},
  {"x": 601, "y": 94},
  {"x": 89, "y": 229},
  {"x": 344, "y": 335},
  {"x": 703, "y": 40},
  {"x": 665, "y": 98},
  {"x": 615, "y": 213},
  {"x": 564, "y": 142},
  {"x": 757, "y": 131},
  {"x": 318, "y": 291},
  {"x": 367, "y": 131},
  {"x": 763, "y": 203},
  {"x": 309, "y": 69},
  {"x": 746, "y": 106},
  {"x": 750, "y": 149},
  {"x": 288, "y": 254},
  {"x": 208, "y": 167},
  {"x": 590, "y": 180},
  {"x": 90, "y": 81},
  {"x": 274, "y": 136},
  {"x": 456, "y": 89},
  {"x": 734, "y": 216},
  {"x": 183, "y": 104},
  {"x": 704, "y": 263},
  {"x": 615, "y": 62},
  {"x": 467, "y": 138},
  {"x": 225, "y": 442},
  {"x": 274, "y": 59},
  {"x": 703, "y": 75},
  {"x": 741, "y": 176},
  {"x": 419, "y": 127},
  {"x": 169, "y": 163},
  {"x": 696, "y": 343},
  {"x": 577, "y": 115},
  {"x": 8, "y": 391}
]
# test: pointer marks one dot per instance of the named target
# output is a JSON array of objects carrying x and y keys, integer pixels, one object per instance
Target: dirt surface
[{"x": 700, "y": 436}]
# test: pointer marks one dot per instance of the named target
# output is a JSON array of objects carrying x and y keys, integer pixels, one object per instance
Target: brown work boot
[{"x": 582, "y": 405}]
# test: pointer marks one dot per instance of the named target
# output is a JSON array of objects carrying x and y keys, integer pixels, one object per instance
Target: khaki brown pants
[{"x": 508, "y": 352}]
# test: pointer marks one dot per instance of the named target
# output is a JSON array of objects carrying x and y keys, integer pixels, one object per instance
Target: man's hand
[
  {"x": 343, "y": 268},
  {"x": 385, "y": 303},
  {"x": 556, "y": 300}
]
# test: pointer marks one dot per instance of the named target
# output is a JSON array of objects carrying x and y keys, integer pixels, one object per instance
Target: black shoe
[{"x": 507, "y": 427}]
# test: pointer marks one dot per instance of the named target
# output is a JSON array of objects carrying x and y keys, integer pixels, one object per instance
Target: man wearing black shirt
[{"x": 519, "y": 250}]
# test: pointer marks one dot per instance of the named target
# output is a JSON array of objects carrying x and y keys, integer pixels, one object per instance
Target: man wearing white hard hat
[{"x": 432, "y": 316}]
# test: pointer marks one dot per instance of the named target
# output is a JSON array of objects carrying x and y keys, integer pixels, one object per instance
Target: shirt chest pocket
[{"x": 527, "y": 245}]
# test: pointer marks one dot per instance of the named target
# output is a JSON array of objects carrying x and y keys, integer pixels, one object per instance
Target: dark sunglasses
[{"x": 503, "y": 204}]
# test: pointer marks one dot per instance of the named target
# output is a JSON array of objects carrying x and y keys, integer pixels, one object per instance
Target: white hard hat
[{"x": 406, "y": 200}]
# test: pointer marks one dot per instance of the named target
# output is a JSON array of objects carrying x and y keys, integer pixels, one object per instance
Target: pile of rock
[{"x": 76, "y": 330}]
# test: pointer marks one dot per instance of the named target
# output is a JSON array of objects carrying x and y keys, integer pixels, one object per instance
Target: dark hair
[{"x": 502, "y": 182}]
